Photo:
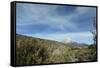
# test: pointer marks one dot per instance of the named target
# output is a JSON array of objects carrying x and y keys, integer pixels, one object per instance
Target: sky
[{"x": 55, "y": 22}]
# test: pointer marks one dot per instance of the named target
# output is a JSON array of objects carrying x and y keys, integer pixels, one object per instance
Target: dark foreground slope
[{"x": 30, "y": 50}]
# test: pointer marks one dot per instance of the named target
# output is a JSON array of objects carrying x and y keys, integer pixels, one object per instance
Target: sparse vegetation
[{"x": 30, "y": 50}]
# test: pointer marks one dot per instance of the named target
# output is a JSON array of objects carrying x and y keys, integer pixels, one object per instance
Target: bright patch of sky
[{"x": 55, "y": 22}]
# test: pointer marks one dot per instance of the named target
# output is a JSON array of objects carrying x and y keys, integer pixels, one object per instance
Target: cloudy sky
[{"x": 55, "y": 22}]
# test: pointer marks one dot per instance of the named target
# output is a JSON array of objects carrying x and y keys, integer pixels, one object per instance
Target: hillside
[{"x": 31, "y": 50}]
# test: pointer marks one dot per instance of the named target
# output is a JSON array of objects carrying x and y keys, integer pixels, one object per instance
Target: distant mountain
[{"x": 78, "y": 44}]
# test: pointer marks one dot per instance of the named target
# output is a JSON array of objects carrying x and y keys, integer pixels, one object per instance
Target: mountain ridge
[{"x": 74, "y": 44}]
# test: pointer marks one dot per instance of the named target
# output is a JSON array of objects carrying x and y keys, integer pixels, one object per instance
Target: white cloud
[{"x": 45, "y": 14}]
